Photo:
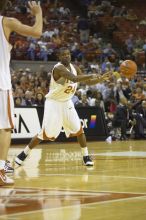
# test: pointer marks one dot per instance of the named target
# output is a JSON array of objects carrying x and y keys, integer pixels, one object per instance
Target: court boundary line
[{"x": 67, "y": 174}]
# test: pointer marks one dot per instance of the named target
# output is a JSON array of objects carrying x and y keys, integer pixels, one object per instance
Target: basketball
[{"x": 128, "y": 68}]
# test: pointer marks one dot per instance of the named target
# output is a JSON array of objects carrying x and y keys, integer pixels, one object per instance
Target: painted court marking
[{"x": 122, "y": 154}]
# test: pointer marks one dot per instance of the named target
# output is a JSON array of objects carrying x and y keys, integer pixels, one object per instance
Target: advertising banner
[{"x": 28, "y": 123}]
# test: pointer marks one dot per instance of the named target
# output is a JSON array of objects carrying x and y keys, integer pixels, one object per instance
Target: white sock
[
  {"x": 85, "y": 151},
  {"x": 27, "y": 150},
  {"x": 2, "y": 164}
]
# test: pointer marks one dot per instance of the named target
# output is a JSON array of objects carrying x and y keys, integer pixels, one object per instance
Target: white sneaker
[
  {"x": 4, "y": 179},
  {"x": 8, "y": 168},
  {"x": 109, "y": 139}
]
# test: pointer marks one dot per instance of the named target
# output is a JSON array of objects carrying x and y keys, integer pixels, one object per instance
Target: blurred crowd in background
[{"x": 99, "y": 34}]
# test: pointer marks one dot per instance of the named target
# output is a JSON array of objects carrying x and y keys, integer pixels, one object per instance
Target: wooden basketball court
[{"x": 53, "y": 184}]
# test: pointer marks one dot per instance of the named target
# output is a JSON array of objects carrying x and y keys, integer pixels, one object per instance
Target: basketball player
[
  {"x": 59, "y": 110},
  {"x": 8, "y": 25}
]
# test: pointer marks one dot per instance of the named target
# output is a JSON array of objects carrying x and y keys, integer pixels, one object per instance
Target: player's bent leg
[
  {"x": 20, "y": 158},
  {"x": 23, "y": 155},
  {"x": 87, "y": 161},
  {"x": 72, "y": 127}
]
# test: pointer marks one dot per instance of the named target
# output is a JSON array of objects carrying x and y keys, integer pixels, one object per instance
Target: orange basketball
[{"x": 128, "y": 68}]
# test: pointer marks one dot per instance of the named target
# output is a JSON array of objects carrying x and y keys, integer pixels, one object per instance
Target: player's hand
[
  {"x": 105, "y": 76},
  {"x": 35, "y": 7},
  {"x": 94, "y": 76}
]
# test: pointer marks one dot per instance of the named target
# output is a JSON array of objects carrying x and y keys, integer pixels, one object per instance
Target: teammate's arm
[
  {"x": 15, "y": 25},
  {"x": 61, "y": 71}
]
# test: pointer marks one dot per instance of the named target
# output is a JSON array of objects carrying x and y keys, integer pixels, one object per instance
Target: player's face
[{"x": 65, "y": 57}]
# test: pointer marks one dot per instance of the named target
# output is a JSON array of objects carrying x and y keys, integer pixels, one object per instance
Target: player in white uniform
[
  {"x": 59, "y": 110},
  {"x": 8, "y": 25}
]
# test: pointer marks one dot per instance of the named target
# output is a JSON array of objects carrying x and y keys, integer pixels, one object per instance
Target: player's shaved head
[
  {"x": 3, "y": 4},
  {"x": 63, "y": 49}
]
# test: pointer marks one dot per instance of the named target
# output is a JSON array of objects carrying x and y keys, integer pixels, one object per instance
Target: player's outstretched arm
[
  {"x": 61, "y": 71},
  {"x": 96, "y": 79},
  {"x": 34, "y": 31},
  {"x": 99, "y": 79}
]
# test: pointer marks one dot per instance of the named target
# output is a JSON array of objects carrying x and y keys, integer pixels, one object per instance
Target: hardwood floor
[{"x": 53, "y": 184}]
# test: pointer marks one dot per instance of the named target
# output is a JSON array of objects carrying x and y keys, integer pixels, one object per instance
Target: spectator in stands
[
  {"x": 76, "y": 98},
  {"x": 92, "y": 9},
  {"x": 113, "y": 26},
  {"x": 56, "y": 40},
  {"x": 17, "y": 101},
  {"x": 114, "y": 11},
  {"x": 108, "y": 94},
  {"x": 122, "y": 116},
  {"x": 45, "y": 20},
  {"x": 99, "y": 11},
  {"x": 77, "y": 52},
  {"x": 97, "y": 100},
  {"x": 63, "y": 12},
  {"x": 109, "y": 50},
  {"x": 43, "y": 55},
  {"x": 106, "y": 65},
  {"x": 94, "y": 65},
  {"x": 122, "y": 90},
  {"x": 83, "y": 29},
  {"x": 140, "y": 121},
  {"x": 39, "y": 100},
  {"x": 31, "y": 50},
  {"x": 29, "y": 100},
  {"x": 138, "y": 95},
  {"x": 130, "y": 43},
  {"x": 118, "y": 11},
  {"x": 144, "y": 89},
  {"x": 123, "y": 11},
  {"x": 139, "y": 42},
  {"x": 106, "y": 3},
  {"x": 19, "y": 93},
  {"x": 48, "y": 33},
  {"x": 131, "y": 16},
  {"x": 83, "y": 102},
  {"x": 144, "y": 46},
  {"x": 143, "y": 21}
]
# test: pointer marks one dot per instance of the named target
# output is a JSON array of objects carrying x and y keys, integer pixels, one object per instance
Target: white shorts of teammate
[
  {"x": 6, "y": 109},
  {"x": 57, "y": 115}
]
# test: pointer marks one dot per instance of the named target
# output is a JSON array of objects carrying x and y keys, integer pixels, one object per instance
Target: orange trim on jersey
[
  {"x": 47, "y": 138},
  {"x": 81, "y": 131},
  {"x": 9, "y": 111}
]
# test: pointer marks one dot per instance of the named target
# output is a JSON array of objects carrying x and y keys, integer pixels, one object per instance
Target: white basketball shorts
[
  {"x": 6, "y": 109},
  {"x": 57, "y": 115}
]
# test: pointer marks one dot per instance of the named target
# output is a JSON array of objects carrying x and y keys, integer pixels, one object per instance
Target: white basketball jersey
[
  {"x": 61, "y": 92},
  {"x": 5, "y": 48}
]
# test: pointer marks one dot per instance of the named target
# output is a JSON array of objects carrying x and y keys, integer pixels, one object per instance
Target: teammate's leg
[
  {"x": 6, "y": 111},
  {"x": 5, "y": 139}
]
